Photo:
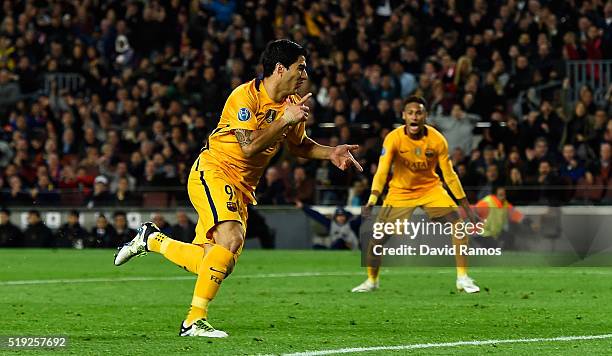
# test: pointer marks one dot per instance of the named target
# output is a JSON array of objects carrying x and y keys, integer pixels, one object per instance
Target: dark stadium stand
[{"x": 85, "y": 88}]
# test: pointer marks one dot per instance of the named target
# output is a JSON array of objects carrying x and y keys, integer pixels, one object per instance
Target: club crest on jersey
[
  {"x": 244, "y": 114},
  {"x": 429, "y": 153},
  {"x": 270, "y": 115},
  {"x": 417, "y": 151},
  {"x": 231, "y": 206}
]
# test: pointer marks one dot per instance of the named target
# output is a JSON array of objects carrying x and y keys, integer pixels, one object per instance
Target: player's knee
[{"x": 230, "y": 235}]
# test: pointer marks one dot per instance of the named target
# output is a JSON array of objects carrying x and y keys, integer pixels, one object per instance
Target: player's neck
[
  {"x": 273, "y": 90},
  {"x": 416, "y": 136}
]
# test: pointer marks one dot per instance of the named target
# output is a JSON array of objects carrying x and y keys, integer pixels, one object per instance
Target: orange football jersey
[
  {"x": 250, "y": 108},
  {"x": 414, "y": 164}
]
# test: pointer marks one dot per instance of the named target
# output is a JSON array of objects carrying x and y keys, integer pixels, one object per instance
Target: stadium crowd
[
  {"x": 107, "y": 232},
  {"x": 107, "y": 103}
]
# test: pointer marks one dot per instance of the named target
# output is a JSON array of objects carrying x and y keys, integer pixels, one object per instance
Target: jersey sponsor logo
[
  {"x": 418, "y": 166},
  {"x": 270, "y": 115},
  {"x": 244, "y": 114}
]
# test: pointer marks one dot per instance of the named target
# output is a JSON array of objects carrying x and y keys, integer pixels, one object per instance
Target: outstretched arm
[
  {"x": 318, "y": 217},
  {"x": 340, "y": 156}
]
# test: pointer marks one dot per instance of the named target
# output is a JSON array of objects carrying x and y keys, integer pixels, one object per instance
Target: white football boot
[
  {"x": 138, "y": 245},
  {"x": 466, "y": 284},
  {"x": 367, "y": 286},
  {"x": 201, "y": 328}
]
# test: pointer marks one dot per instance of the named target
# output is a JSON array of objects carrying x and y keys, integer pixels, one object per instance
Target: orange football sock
[
  {"x": 460, "y": 259},
  {"x": 187, "y": 256},
  {"x": 373, "y": 273},
  {"x": 211, "y": 274}
]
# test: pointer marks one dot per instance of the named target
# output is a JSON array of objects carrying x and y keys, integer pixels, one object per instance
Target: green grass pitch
[{"x": 274, "y": 304}]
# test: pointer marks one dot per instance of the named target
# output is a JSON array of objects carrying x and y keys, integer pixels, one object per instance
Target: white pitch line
[
  {"x": 192, "y": 277},
  {"x": 448, "y": 344},
  {"x": 271, "y": 275}
]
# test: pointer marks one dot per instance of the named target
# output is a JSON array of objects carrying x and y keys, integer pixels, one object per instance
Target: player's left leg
[
  {"x": 442, "y": 208},
  {"x": 150, "y": 239},
  {"x": 185, "y": 255},
  {"x": 390, "y": 212}
]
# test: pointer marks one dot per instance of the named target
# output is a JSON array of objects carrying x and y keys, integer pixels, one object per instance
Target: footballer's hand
[
  {"x": 366, "y": 211},
  {"x": 298, "y": 112},
  {"x": 469, "y": 212},
  {"x": 471, "y": 215},
  {"x": 342, "y": 157}
]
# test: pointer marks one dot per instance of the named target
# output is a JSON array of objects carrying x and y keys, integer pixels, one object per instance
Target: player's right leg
[{"x": 228, "y": 237}]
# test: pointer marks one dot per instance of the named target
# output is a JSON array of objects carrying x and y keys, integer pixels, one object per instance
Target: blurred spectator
[
  {"x": 16, "y": 195},
  {"x": 162, "y": 224},
  {"x": 548, "y": 183},
  {"x": 44, "y": 192},
  {"x": 302, "y": 188},
  {"x": 601, "y": 169},
  {"x": 515, "y": 191},
  {"x": 103, "y": 234},
  {"x": 10, "y": 234},
  {"x": 492, "y": 180},
  {"x": 271, "y": 190},
  {"x": 72, "y": 234},
  {"x": 342, "y": 229},
  {"x": 457, "y": 128},
  {"x": 121, "y": 171},
  {"x": 123, "y": 233},
  {"x": 37, "y": 234},
  {"x": 9, "y": 89},
  {"x": 101, "y": 195},
  {"x": 184, "y": 229},
  {"x": 123, "y": 196},
  {"x": 497, "y": 213},
  {"x": 571, "y": 168}
]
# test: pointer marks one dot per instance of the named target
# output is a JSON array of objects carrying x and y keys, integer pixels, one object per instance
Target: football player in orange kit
[
  {"x": 415, "y": 150},
  {"x": 257, "y": 118}
]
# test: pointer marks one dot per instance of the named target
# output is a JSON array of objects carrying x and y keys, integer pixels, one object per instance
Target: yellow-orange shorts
[
  {"x": 435, "y": 203},
  {"x": 216, "y": 200}
]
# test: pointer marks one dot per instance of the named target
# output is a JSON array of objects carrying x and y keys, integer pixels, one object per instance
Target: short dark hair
[
  {"x": 416, "y": 99},
  {"x": 282, "y": 51},
  {"x": 34, "y": 212},
  {"x": 74, "y": 213},
  {"x": 6, "y": 211},
  {"x": 119, "y": 213}
]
